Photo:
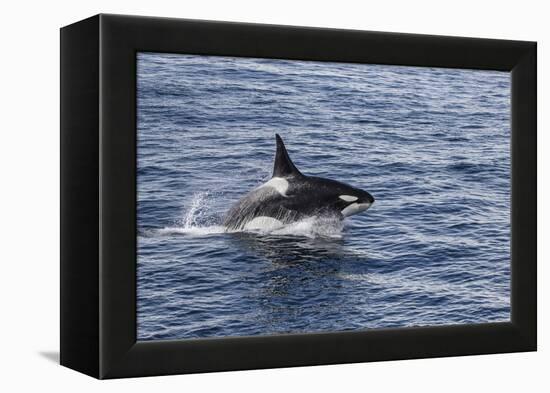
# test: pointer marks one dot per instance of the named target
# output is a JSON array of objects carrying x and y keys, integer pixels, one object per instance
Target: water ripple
[{"x": 431, "y": 145}]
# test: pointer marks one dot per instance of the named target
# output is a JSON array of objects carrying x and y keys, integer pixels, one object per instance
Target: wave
[
  {"x": 198, "y": 221},
  {"x": 193, "y": 230}
]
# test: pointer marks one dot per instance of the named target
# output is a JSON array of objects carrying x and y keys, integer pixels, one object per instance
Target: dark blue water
[{"x": 431, "y": 145}]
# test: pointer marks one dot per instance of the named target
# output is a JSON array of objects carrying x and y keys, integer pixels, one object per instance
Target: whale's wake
[{"x": 197, "y": 220}]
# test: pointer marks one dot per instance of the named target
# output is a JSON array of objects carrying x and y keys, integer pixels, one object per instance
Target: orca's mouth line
[{"x": 355, "y": 208}]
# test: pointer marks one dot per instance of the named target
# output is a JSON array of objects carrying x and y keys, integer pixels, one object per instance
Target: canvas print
[{"x": 282, "y": 196}]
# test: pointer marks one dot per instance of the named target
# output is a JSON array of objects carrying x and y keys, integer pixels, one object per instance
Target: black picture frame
[{"x": 98, "y": 196}]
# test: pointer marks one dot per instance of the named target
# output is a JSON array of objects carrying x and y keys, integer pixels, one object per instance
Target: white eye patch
[{"x": 348, "y": 198}]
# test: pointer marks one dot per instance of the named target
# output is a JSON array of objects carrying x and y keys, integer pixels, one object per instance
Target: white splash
[
  {"x": 193, "y": 231},
  {"x": 311, "y": 227},
  {"x": 198, "y": 221},
  {"x": 195, "y": 210}
]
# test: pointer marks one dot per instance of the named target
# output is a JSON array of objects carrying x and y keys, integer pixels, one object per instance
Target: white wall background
[{"x": 29, "y": 197}]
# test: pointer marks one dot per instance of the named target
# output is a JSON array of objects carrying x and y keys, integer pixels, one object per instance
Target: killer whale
[{"x": 290, "y": 196}]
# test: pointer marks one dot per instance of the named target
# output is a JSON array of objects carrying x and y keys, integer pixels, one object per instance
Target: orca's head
[
  {"x": 343, "y": 198},
  {"x": 354, "y": 202}
]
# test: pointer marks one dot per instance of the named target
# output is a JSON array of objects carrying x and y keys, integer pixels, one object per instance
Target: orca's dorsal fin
[{"x": 283, "y": 166}]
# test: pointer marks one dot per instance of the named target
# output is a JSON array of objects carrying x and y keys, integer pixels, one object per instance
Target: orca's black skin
[{"x": 305, "y": 196}]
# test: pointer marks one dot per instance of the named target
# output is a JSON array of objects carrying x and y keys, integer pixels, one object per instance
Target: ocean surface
[{"x": 431, "y": 145}]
